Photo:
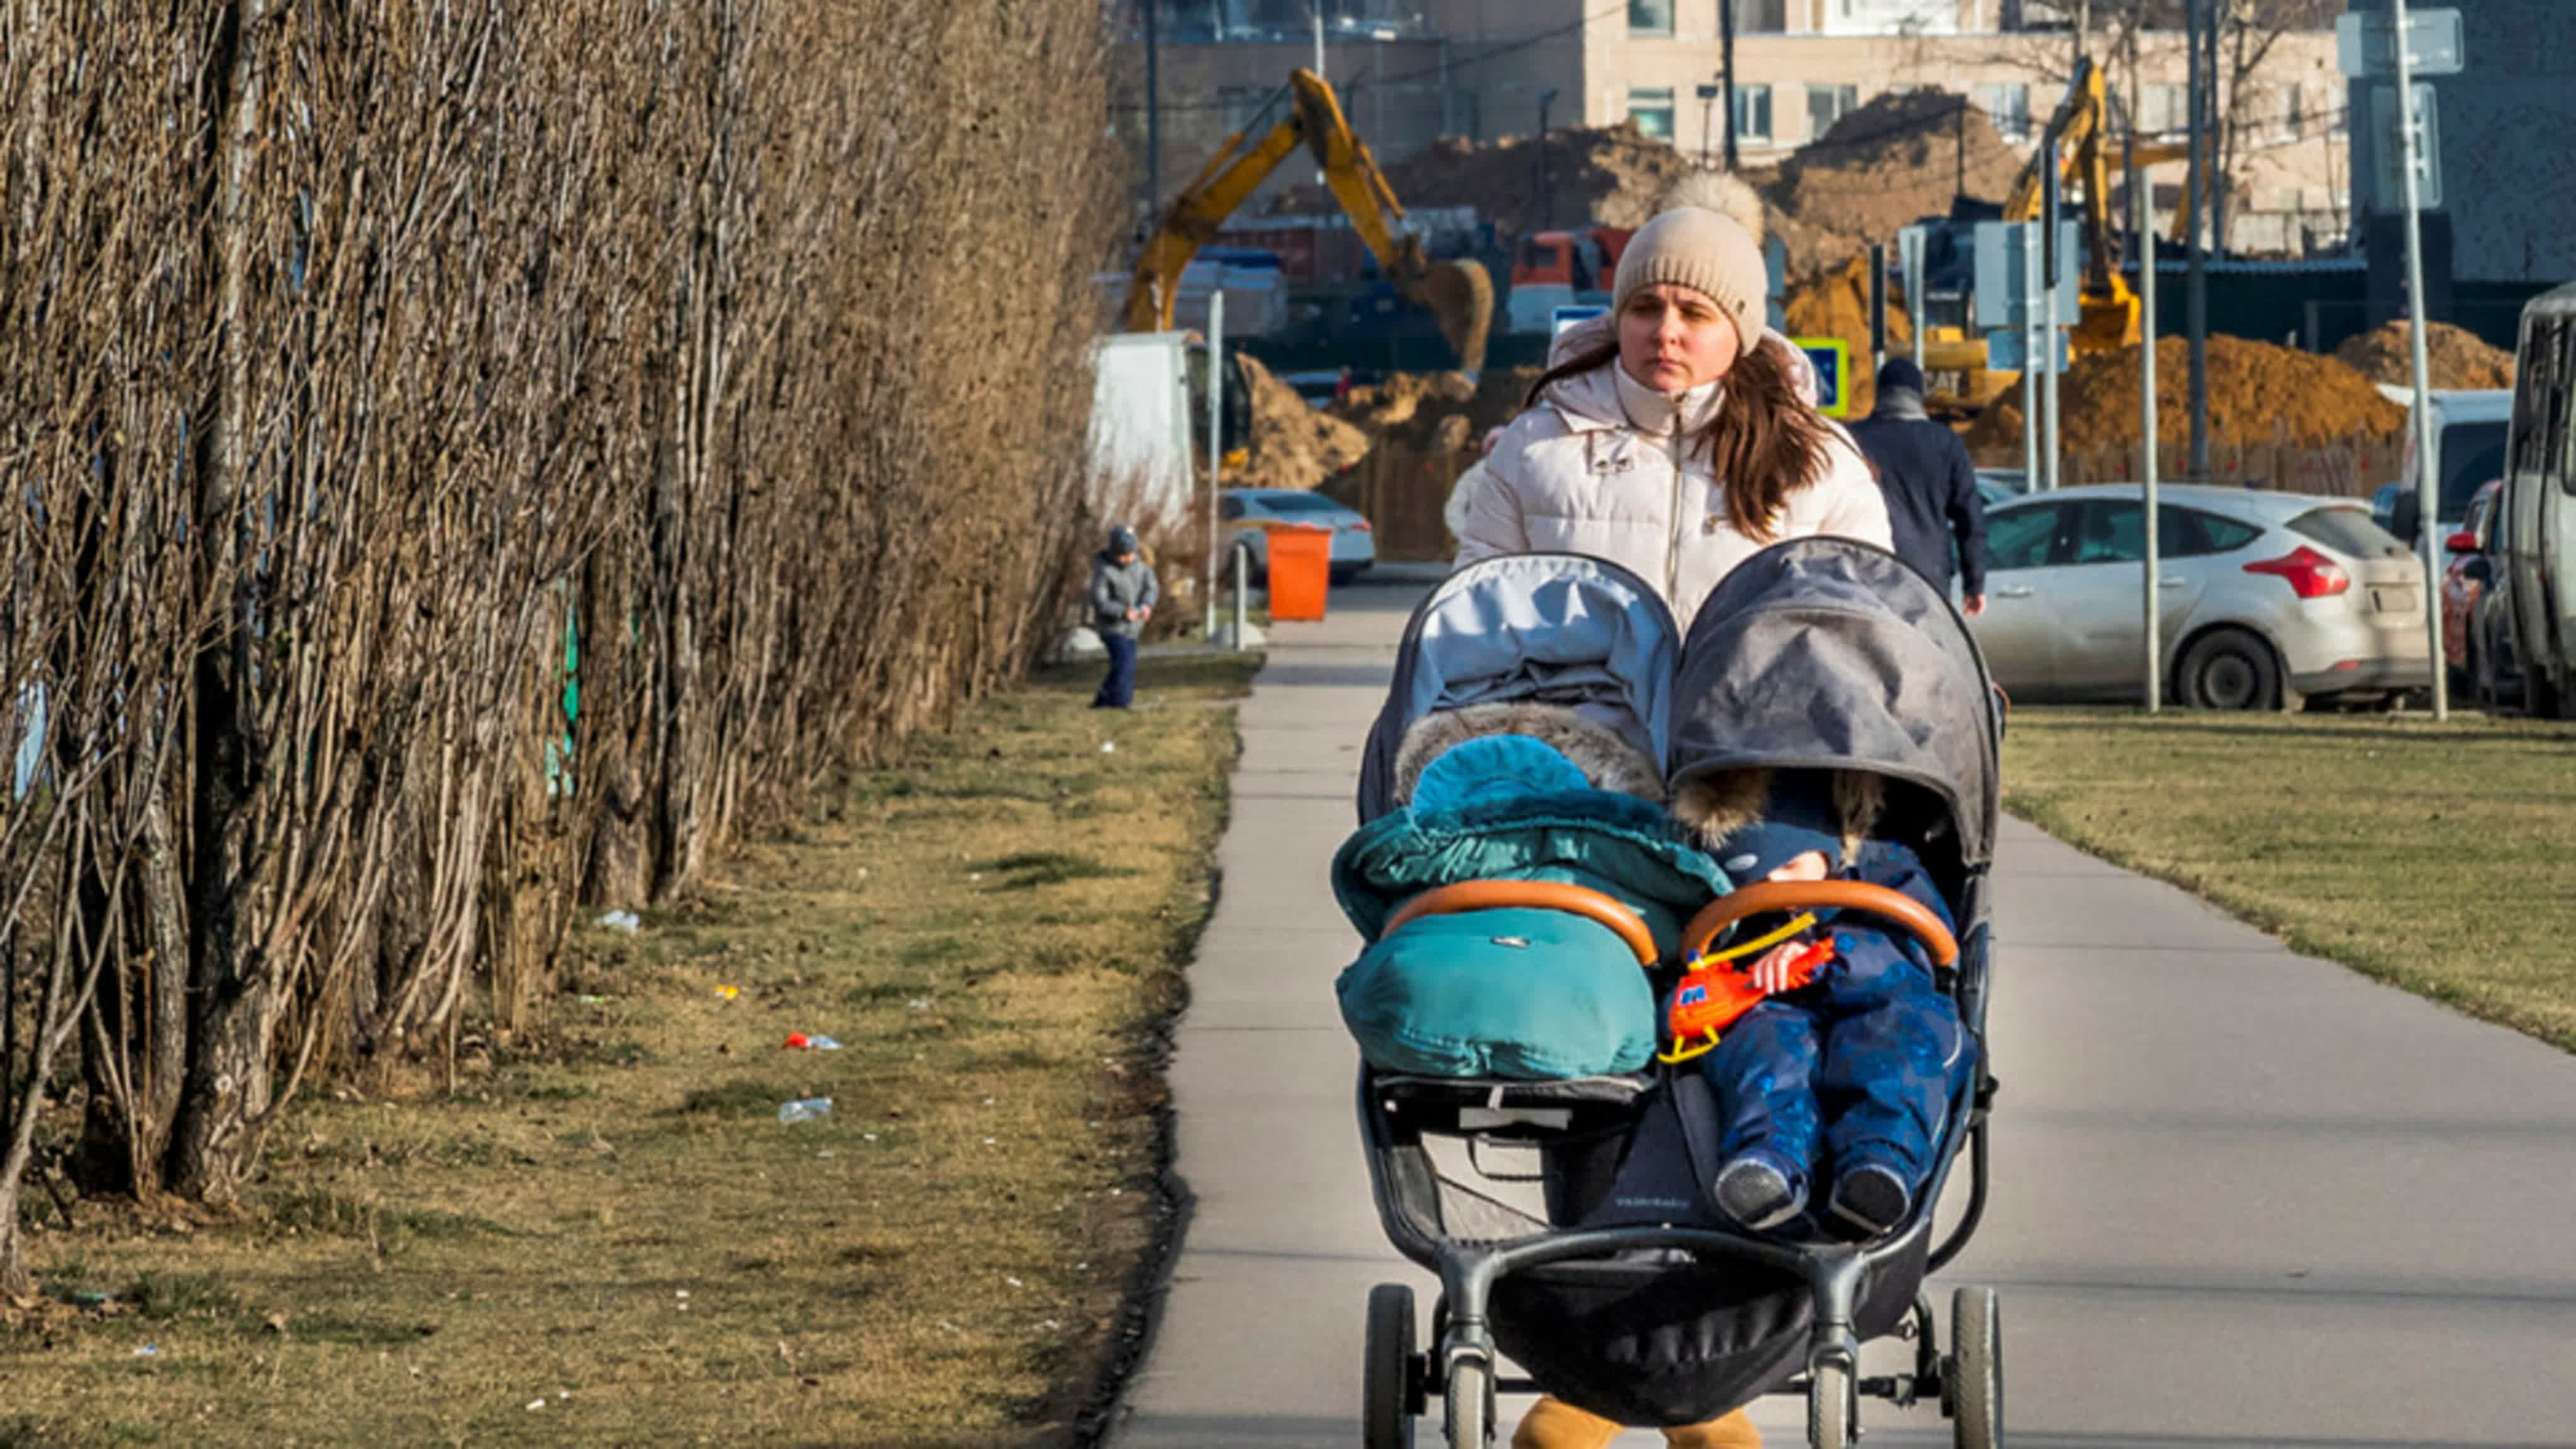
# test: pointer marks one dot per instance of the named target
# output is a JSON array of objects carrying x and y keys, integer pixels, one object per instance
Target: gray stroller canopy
[
  {"x": 1823, "y": 653},
  {"x": 1557, "y": 628}
]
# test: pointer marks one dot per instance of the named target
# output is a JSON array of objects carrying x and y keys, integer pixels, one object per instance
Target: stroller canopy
[
  {"x": 1556, "y": 628},
  {"x": 1823, "y": 653}
]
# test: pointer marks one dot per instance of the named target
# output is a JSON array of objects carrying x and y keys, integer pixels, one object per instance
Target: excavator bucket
[{"x": 1461, "y": 296}]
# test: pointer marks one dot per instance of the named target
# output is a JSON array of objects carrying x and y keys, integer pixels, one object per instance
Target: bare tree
[{"x": 466, "y": 460}]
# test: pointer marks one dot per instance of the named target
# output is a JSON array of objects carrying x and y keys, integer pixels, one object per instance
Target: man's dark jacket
[{"x": 1931, "y": 489}]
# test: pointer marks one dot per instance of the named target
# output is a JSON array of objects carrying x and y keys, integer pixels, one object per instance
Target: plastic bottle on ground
[{"x": 805, "y": 1109}]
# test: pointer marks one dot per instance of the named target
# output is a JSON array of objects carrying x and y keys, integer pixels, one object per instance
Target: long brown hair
[{"x": 1765, "y": 442}]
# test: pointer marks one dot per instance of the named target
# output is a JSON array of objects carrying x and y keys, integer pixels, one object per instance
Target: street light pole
[
  {"x": 2428, "y": 513},
  {"x": 2196, "y": 283},
  {"x": 1546, "y": 213},
  {"x": 1726, "y": 72},
  {"x": 1153, "y": 110}
]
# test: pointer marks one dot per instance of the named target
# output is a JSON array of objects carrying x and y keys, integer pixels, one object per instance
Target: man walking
[{"x": 1931, "y": 486}]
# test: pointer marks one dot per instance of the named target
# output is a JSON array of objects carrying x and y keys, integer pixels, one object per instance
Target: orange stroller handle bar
[
  {"x": 1540, "y": 895},
  {"x": 1770, "y": 896}
]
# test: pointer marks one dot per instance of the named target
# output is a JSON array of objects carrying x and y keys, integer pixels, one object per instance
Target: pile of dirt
[
  {"x": 1894, "y": 161},
  {"x": 1609, "y": 175},
  {"x": 1294, "y": 445},
  {"x": 2454, "y": 356},
  {"x": 1436, "y": 411},
  {"x": 2258, "y": 394}
]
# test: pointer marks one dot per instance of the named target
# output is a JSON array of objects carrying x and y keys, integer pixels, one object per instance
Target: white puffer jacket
[{"x": 1602, "y": 467}]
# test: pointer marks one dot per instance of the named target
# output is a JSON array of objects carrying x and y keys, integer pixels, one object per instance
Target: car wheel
[
  {"x": 2230, "y": 669},
  {"x": 2539, "y": 693}
]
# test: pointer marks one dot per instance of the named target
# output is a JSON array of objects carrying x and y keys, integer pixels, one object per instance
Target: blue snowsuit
[{"x": 1858, "y": 1067}]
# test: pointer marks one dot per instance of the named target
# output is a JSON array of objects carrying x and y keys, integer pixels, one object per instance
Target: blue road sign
[
  {"x": 1832, "y": 357},
  {"x": 1567, "y": 316}
]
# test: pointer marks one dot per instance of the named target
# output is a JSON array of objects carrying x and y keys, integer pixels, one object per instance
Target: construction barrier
[
  {"x": 1301, "y": 571},
  {"x": 1401, "y": 492}
]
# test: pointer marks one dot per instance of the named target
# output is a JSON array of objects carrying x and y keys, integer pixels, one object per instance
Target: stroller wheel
[
  {"x": 1831, "y": 1408},
  {"x": 1389, "y": 1396},
  {"x": 1471, "y": 1404},
  {"x": 1976, "y": 1368}
]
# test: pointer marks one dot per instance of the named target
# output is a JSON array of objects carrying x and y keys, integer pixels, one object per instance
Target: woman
[
  {"x": 1662, "y": 441},
  {"x": 1677, "y": 439}
]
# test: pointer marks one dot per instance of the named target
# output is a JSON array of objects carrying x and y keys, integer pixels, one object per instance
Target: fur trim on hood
[
  {"x": 1609, "y": 762},
  {"x": 1718, "y": 805}
]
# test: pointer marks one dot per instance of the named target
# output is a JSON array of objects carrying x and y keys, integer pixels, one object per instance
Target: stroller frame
[
  {"x": 1495, "y": 1242},
  {"x": 1461, "y": 1360}
]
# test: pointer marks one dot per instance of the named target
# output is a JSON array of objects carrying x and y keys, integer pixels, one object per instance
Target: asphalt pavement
[{"x": 2241, "y": 1196}]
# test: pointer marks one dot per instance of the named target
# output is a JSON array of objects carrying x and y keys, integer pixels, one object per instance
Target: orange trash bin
[{"x": 1301, "y": 570}]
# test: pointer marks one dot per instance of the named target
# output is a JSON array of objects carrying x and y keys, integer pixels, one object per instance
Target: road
[{"x": 2242, "y": 1197}]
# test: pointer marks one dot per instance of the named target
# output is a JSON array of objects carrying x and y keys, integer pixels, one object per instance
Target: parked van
[
  {"x": 2468, "y": 453},
  {"x": 2539, "y": 563}
]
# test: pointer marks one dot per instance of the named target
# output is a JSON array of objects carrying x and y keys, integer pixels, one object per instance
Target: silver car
[
  {"x": 1246, "y": 509},
  {"x": 2264, "y": 598}
]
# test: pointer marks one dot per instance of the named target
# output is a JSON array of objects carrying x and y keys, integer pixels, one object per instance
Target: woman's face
[{"x": 1673, "y": 338}]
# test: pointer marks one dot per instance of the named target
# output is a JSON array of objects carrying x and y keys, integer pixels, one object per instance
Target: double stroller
[{"x": 1567, "y": 1211}]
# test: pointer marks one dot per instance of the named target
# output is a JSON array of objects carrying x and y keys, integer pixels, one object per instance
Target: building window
[
  {"x": 1650, "y": 17},
  {"x": 1828, "y": 104},
  {"x": 2294, "y": 113},
  {"x": 1760, "y": 17},
  {"x": 1652, "y": 110},
  {"x": 1753, "y": 113},
  {"x": 2008, "y": 106}
]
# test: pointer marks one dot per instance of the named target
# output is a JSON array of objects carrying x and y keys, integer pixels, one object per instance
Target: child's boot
[
  {"x": 1552, "y": 1423},
  {"x": 1872, "y": 1197},
  {"x": 1758, "y": 1191},
  {"x": 1735, "y": 1431}
]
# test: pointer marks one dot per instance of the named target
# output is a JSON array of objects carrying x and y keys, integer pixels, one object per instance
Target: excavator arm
[
  {"x": 2110, "y": 308},
  {"x": 1460, "y": 294}
]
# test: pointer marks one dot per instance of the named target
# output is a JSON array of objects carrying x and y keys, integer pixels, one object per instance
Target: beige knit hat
[{"x": 1701, "y": 250}]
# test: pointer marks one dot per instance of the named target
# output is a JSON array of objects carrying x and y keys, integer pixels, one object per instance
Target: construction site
[{"x": 1542, "y": 222}]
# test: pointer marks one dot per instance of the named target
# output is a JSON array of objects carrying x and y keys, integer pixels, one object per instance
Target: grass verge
[
  {"x": 2433, "y": 856},
  {"x": 606, "y": 1236}
]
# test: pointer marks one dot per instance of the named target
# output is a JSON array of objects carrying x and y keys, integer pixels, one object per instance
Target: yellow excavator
[
  {"x": 1459, "y": 294},
  {"x": 2108, "y": 308}
]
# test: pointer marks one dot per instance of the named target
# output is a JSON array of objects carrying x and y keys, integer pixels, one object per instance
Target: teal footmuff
[
  {"x": 1529, "y": 994},
  {"x": 1512, "y": 990}
]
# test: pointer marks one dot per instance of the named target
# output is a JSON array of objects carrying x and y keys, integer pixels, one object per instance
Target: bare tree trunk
[{"x": 232, "y": 1010}]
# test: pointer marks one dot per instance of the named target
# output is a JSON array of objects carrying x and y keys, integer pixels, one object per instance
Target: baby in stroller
[{"x": 1846, "y": 1073}]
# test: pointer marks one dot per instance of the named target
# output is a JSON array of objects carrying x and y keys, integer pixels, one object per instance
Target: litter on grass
[{"x": 625, "y": 922}]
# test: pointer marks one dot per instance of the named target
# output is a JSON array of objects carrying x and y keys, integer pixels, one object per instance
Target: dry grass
[
  {"x": 604, "y": 1236},
  {"x": 2431, "y": 856}
]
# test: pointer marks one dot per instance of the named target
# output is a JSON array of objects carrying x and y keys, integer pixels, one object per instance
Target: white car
[
  {"x": 1246, "y": 509},
  {"x": 2263, "y": 598}
]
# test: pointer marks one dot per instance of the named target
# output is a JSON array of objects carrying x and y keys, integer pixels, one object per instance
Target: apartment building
[{"x": 1490, "y": 68}]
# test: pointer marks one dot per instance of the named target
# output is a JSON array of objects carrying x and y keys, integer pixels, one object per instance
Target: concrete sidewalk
[{"x": 2241, "y": 1196}]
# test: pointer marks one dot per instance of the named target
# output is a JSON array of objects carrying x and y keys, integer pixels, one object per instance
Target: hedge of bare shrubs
[{"x": 465, "y": 460}]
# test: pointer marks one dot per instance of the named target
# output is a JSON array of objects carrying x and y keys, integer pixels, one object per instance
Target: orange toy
[{"x": 1715, "y": 990}]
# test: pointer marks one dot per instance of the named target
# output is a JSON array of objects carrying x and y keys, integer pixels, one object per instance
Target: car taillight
[{"x": 2312, "y": 575}]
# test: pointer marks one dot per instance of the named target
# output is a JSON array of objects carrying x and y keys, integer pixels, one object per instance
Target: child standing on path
[{"x": 1123, "y": 595}]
